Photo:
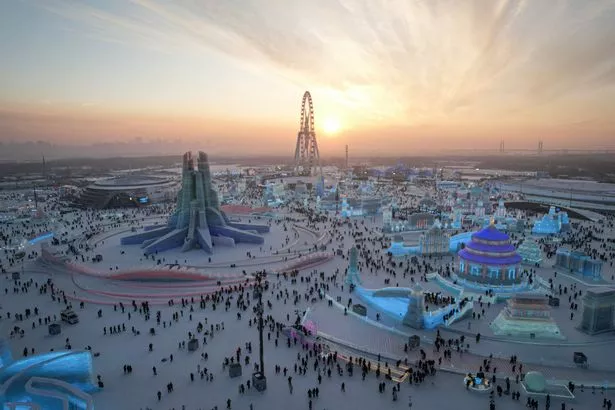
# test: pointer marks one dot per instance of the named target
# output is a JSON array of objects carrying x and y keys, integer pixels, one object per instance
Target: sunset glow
[
  {"x": 421, "y": 75},
  {"x": 331, "y": 126}
]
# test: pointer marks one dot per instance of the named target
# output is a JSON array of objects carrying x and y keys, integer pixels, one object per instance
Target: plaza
[{"x": 208, "y": 297}]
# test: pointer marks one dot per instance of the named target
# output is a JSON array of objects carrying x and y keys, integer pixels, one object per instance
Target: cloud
[{"x": 392, "y": 60}]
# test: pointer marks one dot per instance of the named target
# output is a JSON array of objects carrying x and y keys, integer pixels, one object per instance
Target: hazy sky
[{"x": 399, "y": 76}]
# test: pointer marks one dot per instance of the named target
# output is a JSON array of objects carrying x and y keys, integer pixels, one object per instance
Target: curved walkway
[{"x": 352, "y": 327}]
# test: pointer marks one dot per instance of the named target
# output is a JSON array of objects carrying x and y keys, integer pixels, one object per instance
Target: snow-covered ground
[{"x": 138, "y": 389}]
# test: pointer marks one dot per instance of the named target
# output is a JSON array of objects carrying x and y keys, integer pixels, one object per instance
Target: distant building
[
  {"x": 387, "y": 219},
  {"x": 364, "y": 206},
  {"x": 434, "y": 242},
  {"x": 320, "y": 186},
  {"x": 415, "y": 222},
  {"x": 552, "y": 223},
  {"x": 479, "y": 211},
  {"x": 500, "y": 212},
  {"x": 448, "y": 185},
  {"x": 128, "y": 191},
  {"x": 427, "y": 204}
]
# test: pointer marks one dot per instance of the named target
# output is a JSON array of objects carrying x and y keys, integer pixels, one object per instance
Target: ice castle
[
  {"x": 551, "y": 223},
  {"x": 198, "y": 220}
]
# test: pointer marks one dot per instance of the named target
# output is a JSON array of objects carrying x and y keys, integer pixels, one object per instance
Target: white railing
[
  {"x": 87, "y": 399},
  {"x": 465, "y": 309},
  {"x": 24, "y": 373},
  {"x": 21, "y": 406}
]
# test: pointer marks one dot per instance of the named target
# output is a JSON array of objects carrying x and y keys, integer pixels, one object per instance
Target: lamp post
[{"x": 259, "y": 381}]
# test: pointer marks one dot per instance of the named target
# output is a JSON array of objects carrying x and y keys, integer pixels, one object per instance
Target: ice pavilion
[
  {"x": 551, "y": 223},
  {"x": 530, "y": 252},
  {"x": 490, "y": 258}
]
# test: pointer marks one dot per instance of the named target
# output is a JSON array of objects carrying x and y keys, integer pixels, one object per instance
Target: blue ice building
[
  {"x": 198, "y": 221},
  {"x": 578, "y": 263},
  {"x": 55, "y": 380},
  {"x": 490, "y": 258},
  {"x": 551, "y": 223}
]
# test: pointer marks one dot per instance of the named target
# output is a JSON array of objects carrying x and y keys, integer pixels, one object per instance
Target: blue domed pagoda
[{"x": 490, "y": 258}]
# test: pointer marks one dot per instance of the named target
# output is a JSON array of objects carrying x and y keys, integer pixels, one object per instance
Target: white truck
[{"x": 69, "y": 317}]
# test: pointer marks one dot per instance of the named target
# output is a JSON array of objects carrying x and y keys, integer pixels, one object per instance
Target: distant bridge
[
  {"x": 561, "y": 151},
  {"x": 544, "y": 207}
]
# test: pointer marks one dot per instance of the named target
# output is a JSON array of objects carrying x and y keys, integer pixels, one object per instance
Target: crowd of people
[{"x": 285, "y": 299}]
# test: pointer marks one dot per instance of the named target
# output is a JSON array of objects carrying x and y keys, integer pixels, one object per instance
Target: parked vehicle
[{"x": 69, "y": 317}]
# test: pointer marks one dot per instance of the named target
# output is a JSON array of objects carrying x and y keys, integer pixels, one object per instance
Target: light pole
[{"x": 258, "y": 378}]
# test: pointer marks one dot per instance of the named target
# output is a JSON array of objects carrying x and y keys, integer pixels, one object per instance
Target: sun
[{"x": 331, "y": 126}]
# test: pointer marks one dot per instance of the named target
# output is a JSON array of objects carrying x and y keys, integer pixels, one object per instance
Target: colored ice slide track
[
  {"x": 167, "y": 273},
  {"x": 307, "y": 261},
  {"x": 168, "y": 278},
  {"x": 54, "y": 381},
  {"x": 40, "y": 238},
  {"x": 92, "y": 286},
  {"x": 161, "y": 276}
]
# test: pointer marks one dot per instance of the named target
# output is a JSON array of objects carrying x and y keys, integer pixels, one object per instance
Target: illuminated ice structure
[
  {"x": 501, "y": 211},
  {"x": 51, "y": 381},
  {"x": 490, "y": 259},
  {"x": 455, "y": 242},
  {"x": 198, "y": 220},
  {"x": 502, "y": 220},
  {"x": 387, "y": 218},
  {"x": 364, "y": 206},
  {"x": 551, "y": 223},
  {"x": 480, "y": 211},
  {"x": 405, "y": 305},
  {"x": 456, "y": 220},
  {"x": 526, "y": 316},
  {"x": 530, "y": 252},
  {"x": 272, "y": 195},
  {"x": 435, "y": 241},
  {"x": 352, "y": 276},
  {"x": 415, "y": 222},
  {"x": 320, "y": 186},
  {"x": 578, "y": 263}
]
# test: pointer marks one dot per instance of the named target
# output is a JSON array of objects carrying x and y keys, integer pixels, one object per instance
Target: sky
[{"x": 387, "y": 77}]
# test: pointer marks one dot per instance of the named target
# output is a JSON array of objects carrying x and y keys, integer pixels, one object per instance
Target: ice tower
[
  {"x": 197, "y": 221},
  {"x": 352, "y": 278}
]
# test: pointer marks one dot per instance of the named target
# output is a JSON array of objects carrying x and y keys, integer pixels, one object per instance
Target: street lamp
[{"x": 259, "y": 381}]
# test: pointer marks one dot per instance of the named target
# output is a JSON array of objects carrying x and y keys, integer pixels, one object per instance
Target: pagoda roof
[
  {"x": 490, "y": 260},
  {"x": 491, "y": 233},
  {"x": 483, "y": 247},
  {"x": 490, "y": 246}
]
